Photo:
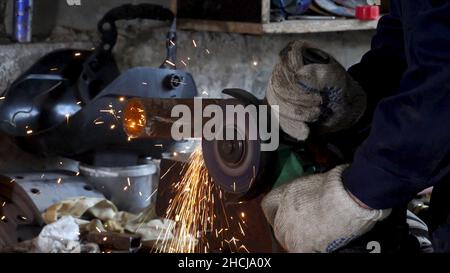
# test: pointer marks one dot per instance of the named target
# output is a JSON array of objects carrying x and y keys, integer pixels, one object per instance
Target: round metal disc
[
  {"x": 233, "y": 164},
  {"x": 232, "y": 178}
]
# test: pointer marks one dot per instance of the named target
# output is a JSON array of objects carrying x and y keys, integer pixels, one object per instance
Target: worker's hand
[
  {"x": 316, "y": 214},
  {"x": 311, "y": 87}
]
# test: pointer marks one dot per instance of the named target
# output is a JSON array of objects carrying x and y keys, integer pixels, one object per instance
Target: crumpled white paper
[{"x": 61, "y": 236}]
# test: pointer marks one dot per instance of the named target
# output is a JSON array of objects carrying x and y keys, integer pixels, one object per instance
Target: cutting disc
[
  {"x": 234, "y": 156},
  {"x": 233, "y": 164}
]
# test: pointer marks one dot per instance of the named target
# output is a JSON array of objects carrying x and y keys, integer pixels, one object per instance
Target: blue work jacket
[{"x": 406, "y": 75}]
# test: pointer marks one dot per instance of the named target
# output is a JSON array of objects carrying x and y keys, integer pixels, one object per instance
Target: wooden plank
[
  {"x": 314, "y": 26},
  {"x": 289, "y": 27},
  {"x": 220, "y": 26}
]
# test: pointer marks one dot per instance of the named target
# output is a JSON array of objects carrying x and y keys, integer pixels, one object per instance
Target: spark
[
  {"x": 3, "y": 204},
  {"x": 207, "y": 51},
  {"x": 194, "y": 43},
  {"x": 232, "y": 240},
  {"x": 144, "y": 83},
  {"x": 112, "y": 112},
  {"x": 194, "y": 209},
  {"x": 150, "y": 196},
  {"x": 158, "y": 145},
  {"x": 77, "y": 54},
  {"x": 184, "y": 63},
  {"x": 171, "y": 42},
  {"x": 105, "y": 239},
  {"x": 122, "y": 99},
  {"x": 125, "y": 188},
  {"x": 78, "y": 102},
  {"x": 54, "y": 69},
  {"x": 242, "y": 230},
  {"x": 99, "y": 231},
  {"x": 128, "y": 182},
  {"x": 77, "y": 174},
  {"x": 67, "y": 118},
  {"x": 2, "y": 98},
  {"x": 244, "y": 248},
  {"x": 140, "y": 194},
  {"x": 243, "y": 214},
  {"x": 112, "y": 127},
  {"x": 171, "y": 63},
  {"x": 59, "y": 181},
  {"x": 29, "y": 132},
  {"x": 255, "y": 63},
  {"x": 12, "y": 181},
  {"x": 3, "y": 218},
  {"x": 192, "y": 213}
]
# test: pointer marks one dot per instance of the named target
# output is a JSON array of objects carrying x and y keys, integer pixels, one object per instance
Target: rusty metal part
[
  {"x": 115, "y": 242},
  {"x": 20, "y": 219}
]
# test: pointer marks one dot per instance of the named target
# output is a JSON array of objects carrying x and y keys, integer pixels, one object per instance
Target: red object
[{"x": 367, "y": 12}]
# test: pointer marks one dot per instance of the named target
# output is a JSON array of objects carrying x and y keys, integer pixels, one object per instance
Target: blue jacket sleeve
[
  {"x": 380, "y": 70},
  {"x": 408, "y": 148},
  {"x": 379, "y": 73}
]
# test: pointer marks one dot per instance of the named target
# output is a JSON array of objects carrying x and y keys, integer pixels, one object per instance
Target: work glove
[
  {"x": 311, "y": 87},
  {"x": 316, "y": 214}
]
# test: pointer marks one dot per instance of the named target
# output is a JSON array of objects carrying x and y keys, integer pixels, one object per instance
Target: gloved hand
[
  {"x": 311, "y": 87},
  {"x": 316, "y": 214}
]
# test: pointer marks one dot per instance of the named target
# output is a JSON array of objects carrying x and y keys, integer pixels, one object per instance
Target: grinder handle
[
  {"x": 102, "y": 55},
  {"x": 107, "y": 25}
]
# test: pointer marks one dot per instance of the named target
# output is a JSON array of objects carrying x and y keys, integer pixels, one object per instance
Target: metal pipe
[{"x": 152, "y": 118}]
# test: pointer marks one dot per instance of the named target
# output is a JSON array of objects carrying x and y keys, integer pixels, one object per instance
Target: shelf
[
  {"x": 285, "y": 27},
  {"x": 314, "y": 26}
]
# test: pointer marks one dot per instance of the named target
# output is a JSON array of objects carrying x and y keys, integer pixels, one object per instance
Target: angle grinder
[{"x": 241, "y": 166}]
